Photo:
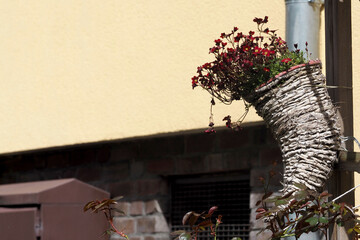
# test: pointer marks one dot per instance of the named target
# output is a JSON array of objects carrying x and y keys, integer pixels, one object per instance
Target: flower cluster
[{"x": 245, "y": 61}]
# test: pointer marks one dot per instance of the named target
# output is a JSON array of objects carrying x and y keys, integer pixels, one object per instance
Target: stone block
[
  {"x": 233, "y": 139},
  {"x": 115, "y": 170},
  {"x": 255, "y": 235},
  {"x": 197, "y": 143},
  {"x": 152, "y": 206},
  {"x": 157, "y": 237},
  {"x": 124, "y": 150},
  {"x": 136, "y": 168},
  {"x": 122, "y": 206},
  {"x": 161, "y": 147},
  {"x": 152, "y": 224},
  {"x": 215, "y": 162},
  {"x": 270, "y": 156},
  {"x": 254, "y": 197},
  {"x": 125, "y": 224},
  {"x": 194, "y": 164},
  {"x": 103, "y": 154},
  {"x": 238, "y": 160},
  {"x": 82, "y": 156},
  {"x": 137, "y": 208},
  {"x": 151, "y": 187},
  {"x": 160, "y": 166},
  {"x": 127, "y": 188}
]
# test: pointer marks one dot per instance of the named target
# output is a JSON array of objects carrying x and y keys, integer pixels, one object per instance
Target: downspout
[{"x": 303, "y": 26}]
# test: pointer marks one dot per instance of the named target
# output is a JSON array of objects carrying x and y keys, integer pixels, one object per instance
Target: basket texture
[{"x": 297, "y": 108}]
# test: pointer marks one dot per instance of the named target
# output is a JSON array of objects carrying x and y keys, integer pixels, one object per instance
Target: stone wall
[
  {"x": 142, "y": 221},
  {"x": 140, "y": 169}
]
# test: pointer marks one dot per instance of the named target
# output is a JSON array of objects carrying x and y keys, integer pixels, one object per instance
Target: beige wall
[
  {"x": 355, "y": 18},
  {"x": 76, "y": 71}
]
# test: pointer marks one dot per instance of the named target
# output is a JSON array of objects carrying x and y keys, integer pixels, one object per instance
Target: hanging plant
[{"x": 286, "y": 90}]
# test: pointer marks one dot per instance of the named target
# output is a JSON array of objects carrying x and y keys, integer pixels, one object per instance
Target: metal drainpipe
[{"x": 303, "y": 25}]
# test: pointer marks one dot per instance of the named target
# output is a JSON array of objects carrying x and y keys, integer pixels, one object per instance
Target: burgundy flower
[
  {"x": 266, "y": 52},
  {"x": 214, "y": 49},
  {"x": 258, "y": 20},
  {"x": 257, "y": 50},
  {"x": 228, "y": 121},
  {"x": 206, "y": 66},
  {"x": 246, "y": 48},
  {"x": 281, "y": 41},
  {"x": 194, "y": 81},
  {"x": 266, "y": 19},
  {"x": 210, "y": 130},
  {"x": 243, "y": 61}
]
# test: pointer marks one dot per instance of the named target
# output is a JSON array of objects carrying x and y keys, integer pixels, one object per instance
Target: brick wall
[
  {"x": 143, "y": 220},
  {"x": 139, "y": 169}
]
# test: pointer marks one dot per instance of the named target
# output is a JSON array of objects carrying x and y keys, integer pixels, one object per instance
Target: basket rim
[{"x": 310, "y": 63}]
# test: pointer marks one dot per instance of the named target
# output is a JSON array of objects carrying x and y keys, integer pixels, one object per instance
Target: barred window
[{"x": 230, "y": 193}]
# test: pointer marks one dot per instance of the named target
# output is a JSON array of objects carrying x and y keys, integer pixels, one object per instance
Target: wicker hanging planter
[
  {"x": 297, "y": 108},
  {"x": 294, "y": 103}
]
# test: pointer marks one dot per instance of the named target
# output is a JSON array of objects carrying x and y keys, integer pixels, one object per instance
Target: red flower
[
  {"x": 266, "y": 69},
  {"x": 280, "y": 41},
  {"x": 245, "y": 48},
  {"x": 286, "y": 60},
  {"x": 194, "y": 81},
  {"x": 238, "y": 37},
  {"x": 257, "y": 50},
  {"x": 206, "y": 66},
  {"x": 214, "y": 49},
  {"x": 266, "y": 19},
  {"x": 258, "y": 20},
  {"x": 266, "y": 52}
]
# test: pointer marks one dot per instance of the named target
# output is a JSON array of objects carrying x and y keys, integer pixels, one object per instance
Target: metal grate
[{"x": 230, "y": 194}]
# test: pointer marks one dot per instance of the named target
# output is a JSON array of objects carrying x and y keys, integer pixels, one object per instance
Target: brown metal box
[{"x": 50, "y": 210}]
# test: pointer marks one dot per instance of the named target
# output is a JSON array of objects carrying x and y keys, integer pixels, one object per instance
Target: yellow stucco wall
[
  {"x": 76, "y": 71},
  {"x": 355, "y": 18}
]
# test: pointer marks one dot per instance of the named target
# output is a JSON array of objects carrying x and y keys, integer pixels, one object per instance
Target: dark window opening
[{"x": 231, "y": 193}]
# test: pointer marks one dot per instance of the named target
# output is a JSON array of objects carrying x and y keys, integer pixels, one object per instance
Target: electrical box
[{"x": 50, "y": 210}]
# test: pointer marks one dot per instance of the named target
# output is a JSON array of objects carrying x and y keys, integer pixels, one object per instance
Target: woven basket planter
[{"x": 297, "y": 108}]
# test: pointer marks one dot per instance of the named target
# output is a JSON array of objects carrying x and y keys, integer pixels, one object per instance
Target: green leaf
[
  {"x": 281, "y": 202},
  {"x": 312, "y": 221},
  {"x": 178, "y": 232},
  {"x": 323, "y": 220},
  {"x": 185, "y": 236},
  {"x": 300, "y": 195}
]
